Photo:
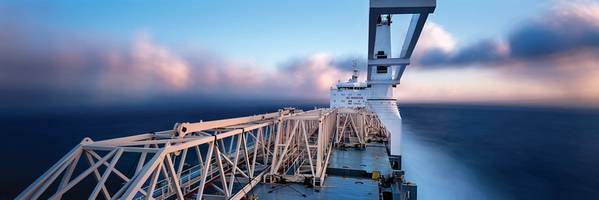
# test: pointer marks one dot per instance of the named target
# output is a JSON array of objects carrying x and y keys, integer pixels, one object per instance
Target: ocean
[{"x": 449, "y": 151}]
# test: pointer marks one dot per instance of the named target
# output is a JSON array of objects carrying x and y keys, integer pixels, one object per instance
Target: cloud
[
  {"x": 45, "y": 66},
  {"x": 472, "y": 85},
  {"x": 434, "y": 38},
  {"x": 486, "y": 51},
  {"x": 311, "y": 76},
  {"x": 145, "y": 68},
  {"x": 550, "y": 59},
  {"x": 568, "y": 28},
  {"x": 66, "y": 68}
]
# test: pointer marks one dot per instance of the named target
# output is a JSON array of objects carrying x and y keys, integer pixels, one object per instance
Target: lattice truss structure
[
  {"x": 222, "y": 159},
  {"x": 304, "y": 147},
  {"x": 356, "y": 127}
]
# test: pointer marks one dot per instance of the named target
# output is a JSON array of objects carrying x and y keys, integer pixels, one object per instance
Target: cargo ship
[{"x": 350, "y": 150}]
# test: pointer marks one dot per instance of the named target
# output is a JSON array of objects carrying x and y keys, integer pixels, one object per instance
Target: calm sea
[{"x": 450, "y": 151}]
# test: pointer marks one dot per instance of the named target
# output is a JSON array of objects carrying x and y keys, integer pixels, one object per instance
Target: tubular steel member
[
  {"x": 356, "y": 127},
  {"x": 201, "y": 159},
  {"x": 217, "y": 159},
  {"x": 302, "y": 146}
]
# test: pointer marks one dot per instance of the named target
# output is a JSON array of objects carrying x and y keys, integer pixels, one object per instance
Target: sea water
[{"x": 449, "y": 151}]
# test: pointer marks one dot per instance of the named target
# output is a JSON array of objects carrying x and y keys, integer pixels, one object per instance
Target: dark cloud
[
  {"x": 482, "y": 52},
  {"x": 563, "y": 30},
  {"x": 553, "y": 36},
  {"x": 552, "y": 58}
]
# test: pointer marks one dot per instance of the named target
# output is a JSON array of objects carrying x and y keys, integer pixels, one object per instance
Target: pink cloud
[
  {"x": 69, "y": 67},
  {"x": 552, "y": 59},
  {"x": 144, "y": 69}
]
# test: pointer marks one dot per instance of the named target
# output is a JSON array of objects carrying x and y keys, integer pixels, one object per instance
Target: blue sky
[
  {"x": 107, "y": 52},
  {"x": 267, "y": 31}
]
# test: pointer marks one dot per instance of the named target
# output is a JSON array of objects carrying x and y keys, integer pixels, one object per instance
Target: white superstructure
[{"x": 350, "y": 94}]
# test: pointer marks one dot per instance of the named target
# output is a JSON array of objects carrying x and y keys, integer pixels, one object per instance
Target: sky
[{"x": 92, "y": 53}]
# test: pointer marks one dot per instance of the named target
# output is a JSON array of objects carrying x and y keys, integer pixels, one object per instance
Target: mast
[
  {"x": 384, "y": 70},
  {"x": 355, "y": 72}
]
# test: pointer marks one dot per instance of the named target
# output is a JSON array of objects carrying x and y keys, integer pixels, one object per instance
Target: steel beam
[{"x": 299, "y": 142}]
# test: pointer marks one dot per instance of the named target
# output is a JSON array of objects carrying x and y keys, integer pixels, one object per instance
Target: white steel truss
[
  {"x": 211, "y": 158},
  {"x": 356, "y": 127},
  {"x": 303, "y": 145},
  {"x": 218, "y": 159}
]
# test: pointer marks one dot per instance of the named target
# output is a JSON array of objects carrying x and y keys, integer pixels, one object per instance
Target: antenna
[{"x": 354, "y": 77}]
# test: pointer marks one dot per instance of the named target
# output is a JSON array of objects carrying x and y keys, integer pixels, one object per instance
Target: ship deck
[
  {"x": 360, "y": 162},
  {"x": 349, "y": 176},
  {"x": 316, "y": 154},
  {"x": 336, "y": 187}
]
